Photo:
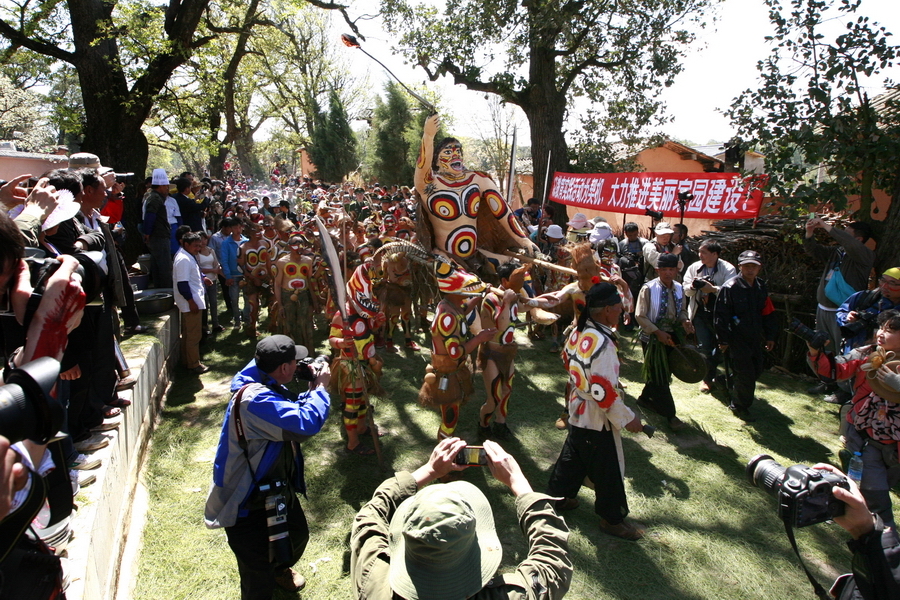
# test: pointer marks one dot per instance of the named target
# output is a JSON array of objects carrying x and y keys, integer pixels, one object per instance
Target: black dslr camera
[
  {"x": 803, "y": 493},
  {"x": 865, "y": 322},
  {"x": 699, "y": 283},
  {"x": 27, "y": 410},
  {"x": 309, "y": 368},
  {"x": 816, "y": 339}
]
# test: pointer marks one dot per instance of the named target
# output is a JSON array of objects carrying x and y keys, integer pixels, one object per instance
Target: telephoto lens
[
  {"x": 27, "y": 411},
  {"x": 280, "y": 550}
]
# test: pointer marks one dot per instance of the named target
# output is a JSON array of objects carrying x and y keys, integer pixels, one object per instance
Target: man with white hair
[{"x": 439, "y": 542}]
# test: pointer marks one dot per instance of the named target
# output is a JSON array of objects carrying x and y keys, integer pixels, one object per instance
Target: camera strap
[
  {"x": 239, "y": 428},
  {"x": 817, "y": 587}
]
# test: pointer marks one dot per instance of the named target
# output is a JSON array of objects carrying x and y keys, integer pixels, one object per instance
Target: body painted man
[
  {"x": 357, "y": 368},
  {"x": 293, "y": 295},
  {"x": 500, "y": 310},
  {"x": 255, "y": 258},
  {"x": 448, "y": 380},
  {"x": 453, "y": 198}
]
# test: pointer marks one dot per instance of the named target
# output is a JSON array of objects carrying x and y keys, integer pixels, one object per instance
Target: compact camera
[{"x": 803, "y": 493}]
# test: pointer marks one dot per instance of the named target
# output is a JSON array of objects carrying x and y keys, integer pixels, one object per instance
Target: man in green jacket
[{"x": 440, "y": 543}]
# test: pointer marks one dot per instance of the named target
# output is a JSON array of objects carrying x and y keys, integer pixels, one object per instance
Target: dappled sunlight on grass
[{"x": 710, "y": 533}]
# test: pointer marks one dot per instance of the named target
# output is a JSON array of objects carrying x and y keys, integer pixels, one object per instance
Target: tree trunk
[
  {"x": 887, "y": 234},
  {"x": 545, "y": 108}
]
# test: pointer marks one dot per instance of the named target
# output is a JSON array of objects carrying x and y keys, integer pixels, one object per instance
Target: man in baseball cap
[
  {"x": 257, "y": 463},
  {"x": 746, "y": 328}
]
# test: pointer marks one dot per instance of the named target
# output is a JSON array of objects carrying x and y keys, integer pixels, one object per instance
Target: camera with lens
[
  {"x": 93, "y": 274},
  {"x": 699, "y": 283},
  {"x": 865, "y": 322},
  {"x": 27, "y": 410},
  {"x": 657, "y": 215},
  {"x": 803, "y": 493},
  {"x": 309, "y": 368},
  {"x": 816, "y": 339}
]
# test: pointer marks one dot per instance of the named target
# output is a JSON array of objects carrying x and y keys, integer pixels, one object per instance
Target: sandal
[
  {"x": 119, "y": 402},
  {"x": 361, "y": 450},
  {"x": 111, "y": 411}
]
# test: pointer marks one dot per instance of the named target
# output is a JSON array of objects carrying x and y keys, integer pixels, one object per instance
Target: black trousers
[
  {"x": 746, "y": 366},
  {"x": 591, "y": 453},
  {"x": 249, "y": 540},
  {"x": 658, "y": 394}
]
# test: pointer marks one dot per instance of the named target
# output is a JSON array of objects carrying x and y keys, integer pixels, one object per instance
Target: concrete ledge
[{"x": 100, "y": 526}]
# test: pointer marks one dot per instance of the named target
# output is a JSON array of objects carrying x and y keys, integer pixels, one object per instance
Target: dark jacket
[
  {"x": 744, "y": 314},
  {"x": 856, "y": 264},
  {"x": 876, "y": 567}
]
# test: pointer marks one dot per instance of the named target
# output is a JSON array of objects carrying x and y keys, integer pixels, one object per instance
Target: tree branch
[
  {"x": 41, "y": 47},
  {"x": 342, "y": 8}
]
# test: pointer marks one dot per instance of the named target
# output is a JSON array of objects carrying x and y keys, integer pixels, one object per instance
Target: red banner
[{"x": 716, "y": 195}]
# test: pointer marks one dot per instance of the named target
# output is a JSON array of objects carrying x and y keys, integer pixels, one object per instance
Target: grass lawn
[{"x": 711, "y": 534}]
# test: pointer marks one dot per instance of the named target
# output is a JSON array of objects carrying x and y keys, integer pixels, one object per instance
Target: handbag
[{"x": 838, "y": 290}]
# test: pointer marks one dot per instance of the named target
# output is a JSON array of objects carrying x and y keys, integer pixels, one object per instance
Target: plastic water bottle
[{"x": 855, "y": 469}]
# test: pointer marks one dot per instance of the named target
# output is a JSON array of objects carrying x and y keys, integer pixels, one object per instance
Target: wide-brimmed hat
[
  {"x": 579, "y": 221},
  {"x": 443, "y": 543},
  {"x": 601, "y": 232}
]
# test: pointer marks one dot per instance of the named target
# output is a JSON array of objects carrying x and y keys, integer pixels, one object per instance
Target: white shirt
[
  {"x": 185, "y": 268},
  {"x": 172, "y": 210}
]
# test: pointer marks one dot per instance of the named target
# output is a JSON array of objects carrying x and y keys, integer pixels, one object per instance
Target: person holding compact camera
[
  {"x": 439, "y": 542},
  {"x": 874, "y": 416},
  {"x": 258, "y": 469}
]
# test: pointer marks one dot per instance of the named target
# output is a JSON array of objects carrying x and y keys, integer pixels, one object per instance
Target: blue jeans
[{"x": 234, "y": 292}]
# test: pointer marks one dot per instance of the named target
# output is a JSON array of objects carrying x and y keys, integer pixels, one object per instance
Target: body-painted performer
[
  {"x": 500, "y": 311},
  {"x": 357, "y": 368},
  {"x": 396, "y": 298},
  {"x": 448, "y": 381},
  {"x": 460, "y": 205},
  {"x": 293, "y": 295},
  {"x": 254, "y": 257}
]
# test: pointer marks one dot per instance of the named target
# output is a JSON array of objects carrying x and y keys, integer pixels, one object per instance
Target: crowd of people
[{"x": 345, "y": 266}]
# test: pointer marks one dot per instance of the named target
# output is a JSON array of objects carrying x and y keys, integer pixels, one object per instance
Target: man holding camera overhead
[{"x": 258, "y": 469}]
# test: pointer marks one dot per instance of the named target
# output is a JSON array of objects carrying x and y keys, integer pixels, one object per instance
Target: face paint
[
  {"x": 359, "y": 292},
  {"x": 450, "y": 160}
]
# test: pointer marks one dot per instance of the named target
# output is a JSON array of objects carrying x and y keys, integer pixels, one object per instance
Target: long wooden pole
[{"x": 544, "y": 202}]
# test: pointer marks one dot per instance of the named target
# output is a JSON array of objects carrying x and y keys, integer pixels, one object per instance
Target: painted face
[
  {"x": 456, "y": 281},
  {"x": 360, "y": 295},
  {"x": 889, "y": 339},
  {"x": 450, "y": 160},
  {"x": 890, "y": 288}
]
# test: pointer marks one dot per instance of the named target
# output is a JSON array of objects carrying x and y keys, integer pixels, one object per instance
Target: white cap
[
  {"x": 159, "y": 177},
  {"x": 554, "y": 231},
  {"x": 600, "y": 232},
  {"x": 253, "y": 210},
  {"x": 662, "y": 228}
]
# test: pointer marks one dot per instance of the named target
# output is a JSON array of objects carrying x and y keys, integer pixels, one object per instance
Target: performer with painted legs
[
  {"x": 357, "y": 368},
  {"x": 500, "y": 309},
  {"x": 294, "y": 300}
]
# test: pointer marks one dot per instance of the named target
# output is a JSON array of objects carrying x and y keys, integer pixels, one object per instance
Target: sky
[{"x": 718, "y": 67}]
